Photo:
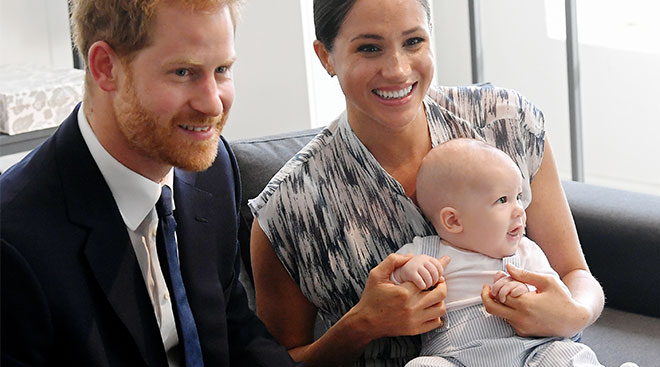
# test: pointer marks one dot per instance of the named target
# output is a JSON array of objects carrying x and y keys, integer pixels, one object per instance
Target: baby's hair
[{"x": 452, "y": 168}]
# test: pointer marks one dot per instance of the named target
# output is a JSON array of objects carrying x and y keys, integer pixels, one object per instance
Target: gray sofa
[{"x": 619, "y": 232}]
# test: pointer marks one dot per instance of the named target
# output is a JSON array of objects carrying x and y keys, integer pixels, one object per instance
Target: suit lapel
[
  {"x": 202, "y": 264},
  {"x": 191, "y": 214},
  {"x": 108, "y": 250}
]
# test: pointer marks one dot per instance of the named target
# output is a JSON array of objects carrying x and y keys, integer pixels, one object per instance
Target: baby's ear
[{"x": 450, "y": 220}]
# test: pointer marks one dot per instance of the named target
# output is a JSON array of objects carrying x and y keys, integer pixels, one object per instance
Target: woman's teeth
[{"x": 396, "y": 94}]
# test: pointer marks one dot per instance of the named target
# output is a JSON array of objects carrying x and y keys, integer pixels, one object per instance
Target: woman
[{"x": 336, "y": 210}]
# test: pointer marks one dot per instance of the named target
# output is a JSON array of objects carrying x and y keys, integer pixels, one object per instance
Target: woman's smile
[{"x": 394, "y": 94}]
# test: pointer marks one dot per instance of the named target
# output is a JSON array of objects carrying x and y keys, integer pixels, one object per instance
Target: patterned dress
[{"x": 332, "y": 213}]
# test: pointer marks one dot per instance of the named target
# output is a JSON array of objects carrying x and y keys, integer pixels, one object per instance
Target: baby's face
[{"x": 492, "y": 214}]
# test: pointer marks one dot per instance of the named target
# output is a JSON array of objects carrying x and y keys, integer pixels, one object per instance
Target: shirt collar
[{"x": 134, "y": 194}]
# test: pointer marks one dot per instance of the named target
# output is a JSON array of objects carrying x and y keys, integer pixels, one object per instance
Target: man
[{"x": 89, "y": 276}]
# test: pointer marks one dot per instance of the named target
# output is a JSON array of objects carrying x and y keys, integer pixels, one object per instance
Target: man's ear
[
  {"x": 103, "y": 65},
  {"x": 324, "y": 56},
  {"x": 450, "y": 220}
]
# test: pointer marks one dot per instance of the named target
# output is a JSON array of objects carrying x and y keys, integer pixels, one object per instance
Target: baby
[{"x": 471, "y": 192}]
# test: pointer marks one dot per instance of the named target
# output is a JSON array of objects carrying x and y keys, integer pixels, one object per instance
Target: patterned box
[{"x": 34, "y": 98}]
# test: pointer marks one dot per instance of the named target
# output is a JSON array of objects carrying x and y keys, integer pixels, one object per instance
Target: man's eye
[
  {"x": 221, "y": 69},
  {"x": 502, "y": 200},
  {"x": 368, "y": 48},
  {"x": 181, "y": 72}
]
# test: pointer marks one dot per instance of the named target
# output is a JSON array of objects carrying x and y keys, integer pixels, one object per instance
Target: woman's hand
[
  {"x": 385, "y": 309},
  {"x": 550, "y": 311},
  {"x": 504, "y": 286},
  {"x": 388, "y": 309}
]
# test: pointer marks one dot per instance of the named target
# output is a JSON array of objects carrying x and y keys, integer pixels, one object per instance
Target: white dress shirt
[{"x": 136, "y": 198}]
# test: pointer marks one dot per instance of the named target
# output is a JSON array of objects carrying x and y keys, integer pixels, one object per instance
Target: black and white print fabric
[{"x": 333, "y": 213}]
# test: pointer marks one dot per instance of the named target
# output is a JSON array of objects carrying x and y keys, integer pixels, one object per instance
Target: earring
[{"x": 331, "y": 73}]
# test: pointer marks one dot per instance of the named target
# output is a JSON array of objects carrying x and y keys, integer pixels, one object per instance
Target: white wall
[
  {"x": 452, "y": 42},
  {"x": 280, "y": 84},
  {"x": 326, "y": 100},
  {"x": 35, "y": 32},
  {"x": 270, "y": 72},
  {"x": 517, "y": 54}
]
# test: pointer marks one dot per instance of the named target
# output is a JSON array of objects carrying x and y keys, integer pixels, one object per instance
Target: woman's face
[{"x": 383, "y": 59}]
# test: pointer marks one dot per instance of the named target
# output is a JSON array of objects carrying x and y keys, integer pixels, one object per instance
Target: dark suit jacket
[{"x": 72, "y": 290}]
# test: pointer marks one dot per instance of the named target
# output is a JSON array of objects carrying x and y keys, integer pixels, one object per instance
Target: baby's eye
[
  {"x": 368, "y": 48},
  {"x": 502, "y": 200},
  {"x": 519, "y": 196}
]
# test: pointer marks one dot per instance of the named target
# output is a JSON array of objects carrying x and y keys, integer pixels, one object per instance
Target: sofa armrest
[{"x": 620, "y": 236}]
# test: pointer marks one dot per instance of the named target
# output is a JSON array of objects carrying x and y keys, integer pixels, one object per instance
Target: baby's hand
[
  {"x": 504, "y": 285},
  {"x": 422, "y": 270}
]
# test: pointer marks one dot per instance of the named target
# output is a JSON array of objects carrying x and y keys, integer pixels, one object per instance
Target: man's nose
[{"x": 207, "y": 99}]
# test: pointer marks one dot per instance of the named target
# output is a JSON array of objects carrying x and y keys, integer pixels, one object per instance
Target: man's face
[{"x": 177, "y": 91}]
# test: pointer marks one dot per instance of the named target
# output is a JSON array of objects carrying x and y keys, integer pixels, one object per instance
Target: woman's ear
[
  {"x": 103, "y": 65},
  {"x": 324, "y": 56},
  {"x": 450, "y": 220}
]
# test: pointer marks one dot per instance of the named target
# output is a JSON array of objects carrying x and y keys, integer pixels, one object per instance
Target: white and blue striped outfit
[
  {"x": 472, "y": 336},
  {"x": 332, "y": 213}
]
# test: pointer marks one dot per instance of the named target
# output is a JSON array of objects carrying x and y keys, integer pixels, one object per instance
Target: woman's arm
[
  {"x": 551, "y": 311},
  {"x": 385, "y": 309}
]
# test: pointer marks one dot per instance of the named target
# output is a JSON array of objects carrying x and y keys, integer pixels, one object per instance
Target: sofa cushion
[
  {"x": 620, "y": 236},
  {"x": 620, "y": 336},
  {"x": 259, "y": 159}
]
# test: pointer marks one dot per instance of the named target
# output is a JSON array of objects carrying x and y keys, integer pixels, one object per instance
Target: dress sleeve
[
  {"x": 532, "y": 128},
  {"x": 285, "y": 207},
  {"x": 275, "y": 219},
  {"x": 503, "y": 118}
]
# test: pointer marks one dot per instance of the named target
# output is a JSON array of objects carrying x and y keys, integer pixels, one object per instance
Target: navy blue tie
[{"x": 166, "y": 243}]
